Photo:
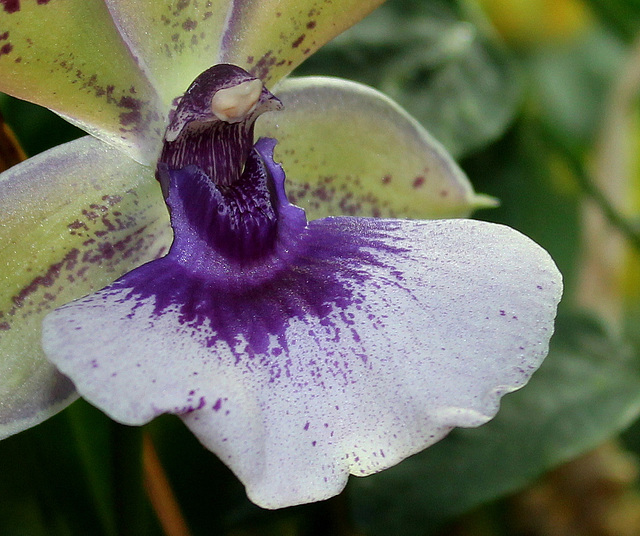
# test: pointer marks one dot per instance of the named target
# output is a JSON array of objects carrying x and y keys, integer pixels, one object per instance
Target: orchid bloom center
[{"x": 217, "y": 182}]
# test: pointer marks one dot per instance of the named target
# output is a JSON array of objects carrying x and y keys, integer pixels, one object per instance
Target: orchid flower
[{"x": 299, "y": 348}]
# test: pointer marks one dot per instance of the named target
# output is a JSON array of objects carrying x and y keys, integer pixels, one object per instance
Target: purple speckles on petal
[
  {"x": 10, "y": 6},
  {"x": 189, "y": 25},
  {"x": 298, "y": 41}
]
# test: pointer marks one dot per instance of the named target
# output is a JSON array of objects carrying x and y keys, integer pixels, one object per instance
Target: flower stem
[
  {"x": 159, "y": 492},
  {"x": 589, "y": 188},
  {"x": 10, "y": 151}
]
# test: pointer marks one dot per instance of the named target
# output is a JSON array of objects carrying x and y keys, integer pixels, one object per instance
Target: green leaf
[
  {"x": 348, "y": 149},
  {"x": 569, "y": 85},
  {"x": 587, "y": 390},
  {"x": 65, "y": 478},
  {"x": 69, "y": 57},
  {"x": 464, "y": 88},
  {"x": 622, "y": 16},
  {"x": 71, "y": 221},
  {"x": 45, "y": 489}
]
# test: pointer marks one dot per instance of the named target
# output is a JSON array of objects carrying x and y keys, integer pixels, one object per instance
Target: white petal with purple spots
[{"x": 377, "y": 339}]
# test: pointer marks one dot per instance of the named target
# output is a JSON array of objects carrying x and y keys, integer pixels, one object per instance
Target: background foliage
[{"x": 539, "y": 102}]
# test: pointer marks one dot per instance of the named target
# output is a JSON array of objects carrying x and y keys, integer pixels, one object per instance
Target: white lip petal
[{"x": 376, "y": 343}]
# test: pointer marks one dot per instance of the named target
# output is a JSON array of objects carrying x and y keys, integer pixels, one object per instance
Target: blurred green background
[{"x": 538, "y": 101}]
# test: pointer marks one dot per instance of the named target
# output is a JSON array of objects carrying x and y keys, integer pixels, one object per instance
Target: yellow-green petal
[
  {"x": 175, "y": 40},
  {"x": 72, "y": 220},
  {"x": 348, "y": 149},
  {"x": 68, "y": 56},
  {"x": 271, "y": 37}
]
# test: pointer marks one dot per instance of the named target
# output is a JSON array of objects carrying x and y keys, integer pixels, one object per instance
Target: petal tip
[{"x": 482, "y": 201}]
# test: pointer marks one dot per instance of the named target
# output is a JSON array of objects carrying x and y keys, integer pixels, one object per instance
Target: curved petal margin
[
  {"x": 71, "y": 221},
  {"x": 378, "y": 338},
  {"x": 348, "y": 149}
]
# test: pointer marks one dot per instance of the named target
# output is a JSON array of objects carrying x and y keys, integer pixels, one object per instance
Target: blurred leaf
[
  {"x": 623, "y": 16},
  {"x": 36, "y": 128},
  {"x": 526, "y": 24},
  {"x": 61, "y": 479},
  {"x": 570, "y": 84},
  {"x": 587, "y": 390},
  {"x": 45, "y": 489},
  {"x": 458, "y": 82},
  {"x": 464, "y": 88}
]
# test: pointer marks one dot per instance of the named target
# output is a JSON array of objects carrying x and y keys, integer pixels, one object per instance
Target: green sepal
[{"x": 72, "y": 220}]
